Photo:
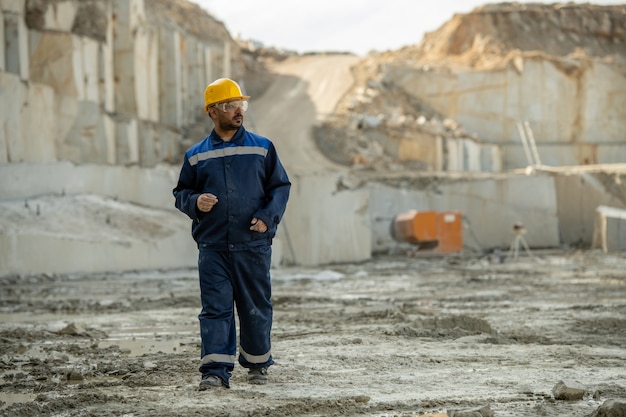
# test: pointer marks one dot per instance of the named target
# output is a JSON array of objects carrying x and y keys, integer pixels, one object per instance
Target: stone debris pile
[
  {"x": 452, "y": 102},
  {"x": 381, "y": 127}
]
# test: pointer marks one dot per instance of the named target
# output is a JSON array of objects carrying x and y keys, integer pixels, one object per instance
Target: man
[{"x": 235, "y": 190}]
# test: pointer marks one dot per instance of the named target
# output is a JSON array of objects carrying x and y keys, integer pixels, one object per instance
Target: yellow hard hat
[{"x": 221, "y": 90}]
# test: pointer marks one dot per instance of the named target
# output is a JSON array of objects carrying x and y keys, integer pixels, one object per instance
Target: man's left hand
[{"x": 258, "y": 225}]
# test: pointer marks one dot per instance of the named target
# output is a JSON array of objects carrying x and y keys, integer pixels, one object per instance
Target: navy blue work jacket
[{"x": 249, "y": 181}]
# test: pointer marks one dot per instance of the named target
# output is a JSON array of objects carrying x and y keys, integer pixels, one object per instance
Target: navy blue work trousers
[{"x": 229, "y": 279}]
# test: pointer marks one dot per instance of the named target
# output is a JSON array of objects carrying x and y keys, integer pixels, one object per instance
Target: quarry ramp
[
  {"x": 305, "y": 90},
  {"x": 320, "y": 225}
]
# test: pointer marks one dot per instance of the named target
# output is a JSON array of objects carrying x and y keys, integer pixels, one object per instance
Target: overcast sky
[{"x": 357, "y": 26}]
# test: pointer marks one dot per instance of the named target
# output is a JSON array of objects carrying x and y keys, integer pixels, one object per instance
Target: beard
[{"x": 231, "y": 124}]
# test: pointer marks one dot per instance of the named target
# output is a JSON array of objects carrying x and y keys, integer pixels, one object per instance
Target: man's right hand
[{"x": 206, "y": 202}]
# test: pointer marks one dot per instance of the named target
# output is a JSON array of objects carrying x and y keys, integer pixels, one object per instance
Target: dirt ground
[{"x": 401, "y": 335}]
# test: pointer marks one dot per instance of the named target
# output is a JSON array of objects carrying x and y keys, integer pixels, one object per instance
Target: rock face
[
  {"x": 455, "y": 101},
  {"x": 112, "y": 82}
]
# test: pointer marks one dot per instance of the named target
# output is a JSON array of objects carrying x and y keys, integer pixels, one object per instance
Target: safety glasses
[{"x": 232, "y": 106}]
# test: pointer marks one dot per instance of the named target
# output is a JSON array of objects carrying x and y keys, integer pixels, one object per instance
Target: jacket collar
[{"x": 237, "y": 138}]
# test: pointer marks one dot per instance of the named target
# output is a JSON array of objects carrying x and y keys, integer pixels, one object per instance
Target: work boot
[
  {"x": 211, "y": 381},
  {"x": 257, "y": 376}
]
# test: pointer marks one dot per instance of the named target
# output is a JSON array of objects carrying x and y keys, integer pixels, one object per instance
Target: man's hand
[
  {"x": 258, "y": 225},
  {"x": 206, "y": 202}
]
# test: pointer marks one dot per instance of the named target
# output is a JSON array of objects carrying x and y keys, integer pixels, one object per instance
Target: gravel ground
[{"x": 395, "y": 336}]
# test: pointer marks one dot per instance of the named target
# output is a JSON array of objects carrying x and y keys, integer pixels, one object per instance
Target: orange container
[
  {"x": 450, "y": 226},
  {"x": 440, "y": 231},
  {"x": 415, "y": 227}
]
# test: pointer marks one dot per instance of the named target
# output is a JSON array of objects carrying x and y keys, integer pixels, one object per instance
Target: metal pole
[
  {"x": 522, "y": 135},
  {"x": 533, "y": 145}
]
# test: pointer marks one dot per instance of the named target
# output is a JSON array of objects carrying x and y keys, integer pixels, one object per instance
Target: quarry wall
[
  {"x": 59, "y": 217},
  {"x": 104, "y": 82},
  {"x": 559, "y": 67},
  {"x": 575, "y": 109},
  {"x": 557, "y": 206},
  {"x": 97, "y": 98}
]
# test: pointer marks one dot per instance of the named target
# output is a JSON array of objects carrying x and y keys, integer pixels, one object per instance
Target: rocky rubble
[
  {"x": 378, "y": 118},
  {"x": 369, "y": 124},
  {"x": 493, "y": 34}
]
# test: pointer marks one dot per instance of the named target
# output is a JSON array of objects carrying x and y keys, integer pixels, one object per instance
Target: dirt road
[{"x": 396, "y": 336}]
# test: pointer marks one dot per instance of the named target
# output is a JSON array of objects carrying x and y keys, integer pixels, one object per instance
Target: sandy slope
[{"x": 306, "y": 89}]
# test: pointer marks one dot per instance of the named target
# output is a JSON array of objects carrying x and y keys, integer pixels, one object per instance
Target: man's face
[{"x": 230, "y": 114}]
